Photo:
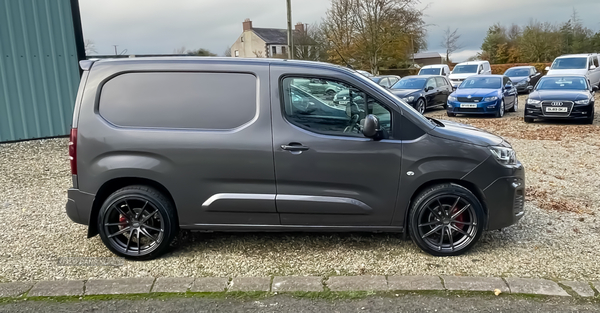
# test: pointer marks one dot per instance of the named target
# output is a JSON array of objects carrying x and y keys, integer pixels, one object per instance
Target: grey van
[{"x": 209, "y": 144}]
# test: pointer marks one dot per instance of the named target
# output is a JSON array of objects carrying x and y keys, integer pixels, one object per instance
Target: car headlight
[
  {"x": 505, "y": 156},
  {"x": 451, "y": 98},
  {"x": 536, "y": 103},
  {"x": 408, "y": 99},
  {"x": 488, "y": 99},
  {"x": 584, "y": 101}
]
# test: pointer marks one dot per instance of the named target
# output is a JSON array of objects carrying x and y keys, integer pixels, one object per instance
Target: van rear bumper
[{"x": 79, "y": 206}]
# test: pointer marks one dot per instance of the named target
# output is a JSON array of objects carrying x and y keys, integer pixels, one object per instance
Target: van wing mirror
[
  {"x": 592, "y": 67},
  {"x": 371, "y": 126},
  {"x": 547, "y": 68}
]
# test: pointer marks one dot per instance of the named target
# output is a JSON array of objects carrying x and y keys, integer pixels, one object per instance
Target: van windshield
[
  {"x": 429, "y": 71},
  {"x": 465, "y": 69},
  {"x": 569, "y": 63}
]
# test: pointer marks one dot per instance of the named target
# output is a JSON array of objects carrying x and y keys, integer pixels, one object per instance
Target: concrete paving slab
[
  {"x": 57, "y": 288},
  {"x": 172, "y": 284},
  {"x": 250, "y": 284},
  {"x": 297, "y": 283},
  {"x": 209, "y": 284},
  {"x": 357, "y": 283},
  {"x": 535, "y": 287},
  {"x": 15, "y": 289},
  {"x": 415, "y": 283},
  {"x": 118, "y": 286},
  {"x": 582, "y": 288},
  {"x": 475, "y": 283}
]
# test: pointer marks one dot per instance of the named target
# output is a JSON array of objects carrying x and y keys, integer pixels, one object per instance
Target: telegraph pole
[{"x": 289, "y": 32}]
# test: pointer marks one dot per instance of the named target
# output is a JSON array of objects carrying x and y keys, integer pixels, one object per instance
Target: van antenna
[{"x": 347, "y": 64}]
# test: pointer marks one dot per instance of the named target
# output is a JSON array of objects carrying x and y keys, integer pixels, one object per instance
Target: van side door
[{"x": 327, "y": 173}]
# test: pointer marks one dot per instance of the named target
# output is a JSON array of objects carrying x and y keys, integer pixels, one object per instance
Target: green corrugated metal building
[{"x": 41, "y": 44}]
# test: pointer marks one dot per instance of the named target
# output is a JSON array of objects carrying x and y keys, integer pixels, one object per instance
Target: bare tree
[
  {"x": 258, "y": 53},
  {"x": 89, "y": 46},
  {"x": 227, "y": 52},
  {"x": 450, "y": 42},
  {"x": 180, "y": 50}
]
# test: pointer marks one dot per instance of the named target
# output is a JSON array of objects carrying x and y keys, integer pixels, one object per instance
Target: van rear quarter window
[{"x": 215, "y": 101}]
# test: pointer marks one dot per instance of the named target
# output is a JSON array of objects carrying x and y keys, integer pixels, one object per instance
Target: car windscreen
[
  {"x": 429, "y": 71},
  {"x": 569, "y": 63},
  {"x": 465, "y": 69},
  {"x": 482, "y": 82},
  {"x": 376, "y": 79},
  {"x": 410, "y": 83},
  {"x": 516, "y": 72},
  {"x": 562, "y": 83}
]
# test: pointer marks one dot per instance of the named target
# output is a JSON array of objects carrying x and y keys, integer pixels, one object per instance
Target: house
[
  {"x": 428, "y": 58},
  {"x": 264, "y": 42}
]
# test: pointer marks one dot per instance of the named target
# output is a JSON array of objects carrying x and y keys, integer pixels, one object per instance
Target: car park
[
  {"x": 484, "y": 94},
  {"x": 163, "y": 144},
  {"x": 423, "y": 91},
  {"x": 577, "y": 64},
  {"x": 321, "y": 87},
  {"x": 562, "y": 97},
  {"x": 436, "y": 69},
  {"x": 386, "y": 81},
  {"x": 461, "y": 71},
  {"x": 523, "y": 77}
]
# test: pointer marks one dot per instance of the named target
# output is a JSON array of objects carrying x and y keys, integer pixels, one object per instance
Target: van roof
[
  {"x": 434, "y": 66},
  {"x": 472, "y": 63},
  {"x": 575, "y": 55}
]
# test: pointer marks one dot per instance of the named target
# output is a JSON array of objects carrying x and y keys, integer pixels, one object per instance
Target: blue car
[{"x": 484, "y": 94}]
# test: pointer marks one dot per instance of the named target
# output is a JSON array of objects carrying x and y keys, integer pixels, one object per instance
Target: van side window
[
  {"x": 179, "y": 100},
  {"x": 341, "y": 115}
]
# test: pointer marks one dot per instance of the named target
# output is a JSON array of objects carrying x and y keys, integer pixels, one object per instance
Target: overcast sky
[{"x": 160, "y": 26}]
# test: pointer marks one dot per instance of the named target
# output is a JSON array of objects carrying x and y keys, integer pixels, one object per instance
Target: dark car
[
  {"x": 484, "y": 94},
  {"x": 523, "y": 77},
  {"x": 386, "y": 81},
  {"x": 160, "y": 145},
  {"x": 561, "y": 97},
  {"x": 423, "y": 91}
]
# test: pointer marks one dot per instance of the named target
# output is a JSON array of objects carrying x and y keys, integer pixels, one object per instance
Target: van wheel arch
[
  {"x": 466, "y": 184},
  {"x": 115, "y": 184}
]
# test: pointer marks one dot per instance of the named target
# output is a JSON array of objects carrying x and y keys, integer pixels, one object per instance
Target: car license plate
[
  {"x": 556, "y": 109},
  {"x": 468, "y": 105},
  {"x": 343, "y": 102}
]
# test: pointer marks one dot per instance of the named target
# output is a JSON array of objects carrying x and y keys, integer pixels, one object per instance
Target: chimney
[
  {"x": 300, "y": 28},
  {"x": 247, "y": 24}
]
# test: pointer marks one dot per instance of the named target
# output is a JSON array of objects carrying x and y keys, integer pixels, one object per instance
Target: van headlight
[
  {"x": 505, "y": 156},
  {"x": 536, "y": 103},
  {"x": 584, "y": 101}
]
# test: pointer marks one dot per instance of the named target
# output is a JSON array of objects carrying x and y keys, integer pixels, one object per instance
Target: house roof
[
  {"x": 427, "y": 55},
  {"x": 272, "y": 35}
]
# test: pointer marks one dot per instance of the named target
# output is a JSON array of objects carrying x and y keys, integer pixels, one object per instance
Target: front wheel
[
  {"x": 451, "y": 114},
  {"x": 529, "y": 120},
  {"x": 590, "y": 118},
  {"x": 446, "y": 220},
  {"x": 420, "y": 106},
  {"x": 137, "y": 222},
  {"x": 500, "y": 112}
]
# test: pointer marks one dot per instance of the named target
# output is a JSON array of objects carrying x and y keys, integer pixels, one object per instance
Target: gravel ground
[{"x": 556, "y": 239}]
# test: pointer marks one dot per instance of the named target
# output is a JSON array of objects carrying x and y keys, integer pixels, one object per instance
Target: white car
[
  {"x": 577, "y": 64},
  {"x": 463, "y": 70},
  {"x": 436, "y": 69}
]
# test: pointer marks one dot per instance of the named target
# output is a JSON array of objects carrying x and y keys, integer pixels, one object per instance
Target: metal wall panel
[{"x": 39, "y": 72}]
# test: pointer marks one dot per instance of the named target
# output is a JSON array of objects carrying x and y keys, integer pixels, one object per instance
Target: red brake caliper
[
  {"x": 460, "y": 218},
  {"x": 123, "y": 221}
]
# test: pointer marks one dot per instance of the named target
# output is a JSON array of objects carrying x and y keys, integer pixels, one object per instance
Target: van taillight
[{"x": 73, "y": 151}]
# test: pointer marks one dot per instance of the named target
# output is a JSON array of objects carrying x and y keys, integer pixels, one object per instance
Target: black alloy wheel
[
  {"x": 446, "y": 220},
  {"x": 137, "y": 222}
]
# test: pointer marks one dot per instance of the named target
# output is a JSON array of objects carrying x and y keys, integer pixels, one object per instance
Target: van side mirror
[
  {"x": 547, "y": 68},
  {"x": 592, "y": 67},
  {"x": 371, "y": 126}
]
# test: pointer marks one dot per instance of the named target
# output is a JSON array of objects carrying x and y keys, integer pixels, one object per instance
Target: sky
[{"x": 162, "y": 26}]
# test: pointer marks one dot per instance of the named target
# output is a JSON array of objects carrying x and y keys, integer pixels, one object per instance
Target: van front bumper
[
  {"x": 79, "y": 206},
  {"x": 505, "y": 199}
]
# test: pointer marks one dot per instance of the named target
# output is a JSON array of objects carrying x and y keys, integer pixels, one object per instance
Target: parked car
[
  {"x": 365, "y": 73},
  {"x": 561, "y": 97},
  {"x": 319, "y": 86},
  {"x": 484, "y": 94},
  {"x": 386, "y": 81},
  {"x": 436, "y": 69},
  {"x": 163, "y": 144},
  {"x": 577, "y": 64},
  {"x": 523, "y": 77},
  {"x": 423, "y": 92},
  {"x": 463, "y": 70}
]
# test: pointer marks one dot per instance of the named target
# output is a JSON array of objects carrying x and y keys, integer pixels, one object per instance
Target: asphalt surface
[{"x": 281, "y": 303}]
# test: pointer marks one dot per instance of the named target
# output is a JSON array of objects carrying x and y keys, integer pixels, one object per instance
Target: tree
[
  {"x": 450, "y": 42},
  {"x": 227, "y": 52},
  {"x": 89, "y": 47},
  {"x": 201, "y": 52},
  {"x": 180, "y": 50}
]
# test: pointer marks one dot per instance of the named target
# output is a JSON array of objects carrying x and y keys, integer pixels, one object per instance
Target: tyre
[
  {"x": 420, "y": 106},
  {"x": 446, "y": 220},
  {"x": 451, "y": 114},
  {"x": 137, "y": 222},
  {"x": 529, "y": 120},
  {"x": 330, "y": 93},
  {"x": 500, "y": 112},
  {"x": 515, "y": 107}
]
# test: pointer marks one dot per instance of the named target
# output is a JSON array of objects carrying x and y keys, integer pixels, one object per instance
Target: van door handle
[{"x": 294, "y": 146}]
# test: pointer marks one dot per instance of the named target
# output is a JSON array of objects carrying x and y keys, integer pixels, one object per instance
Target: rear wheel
[
  {"x": 446, "y": 220},
  {"x": 515, "y": 107},
  {"x": 137, "y": 222}
]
